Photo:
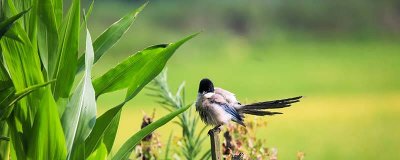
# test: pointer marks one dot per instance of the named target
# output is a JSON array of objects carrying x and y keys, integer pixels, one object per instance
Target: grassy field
[{"x": 351, "y": 86}]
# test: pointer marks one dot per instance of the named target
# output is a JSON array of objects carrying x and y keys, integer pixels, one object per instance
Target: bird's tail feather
[{"x": 258, "y": 108}]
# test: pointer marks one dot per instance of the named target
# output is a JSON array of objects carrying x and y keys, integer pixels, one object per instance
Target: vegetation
[
  {"x": 350, "y": 79},
  {"x": 42, "y": 116},
  {"x": 191, "y": 141}
]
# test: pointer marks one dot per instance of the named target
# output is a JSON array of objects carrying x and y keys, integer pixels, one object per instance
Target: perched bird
[{"x": 217, "y": 106}]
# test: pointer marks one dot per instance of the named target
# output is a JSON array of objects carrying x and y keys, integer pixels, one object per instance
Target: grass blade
[
  {"x": 168, "y": 146},
  {"x": 111, "y": 35},
  {"x": 80, "y": 114},
  {"x": 126, "y": 149}
]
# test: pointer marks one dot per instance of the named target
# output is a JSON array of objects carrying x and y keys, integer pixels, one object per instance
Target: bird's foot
[{"x": 215, "y": 130}]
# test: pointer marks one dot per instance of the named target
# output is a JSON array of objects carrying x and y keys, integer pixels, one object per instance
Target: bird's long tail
[{"x": 258, "y": 108}]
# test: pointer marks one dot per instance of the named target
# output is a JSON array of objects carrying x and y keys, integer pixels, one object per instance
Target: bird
[{"x": 218, "y": 107}]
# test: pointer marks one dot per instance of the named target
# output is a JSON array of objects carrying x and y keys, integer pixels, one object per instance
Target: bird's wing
[
  {"x": 228, "y": 96},
  {"x": 223, "y": 103}
]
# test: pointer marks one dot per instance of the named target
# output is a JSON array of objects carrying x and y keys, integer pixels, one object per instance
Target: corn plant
[
  {"x": 43, "y": 115},
  {"x": 192, "y": 139}
]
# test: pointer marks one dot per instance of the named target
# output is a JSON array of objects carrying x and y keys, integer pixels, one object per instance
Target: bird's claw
[{"x": 214, "y": 130}]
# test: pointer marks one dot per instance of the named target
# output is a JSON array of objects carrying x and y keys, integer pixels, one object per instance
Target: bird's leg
[{"x": 215, "y": 129}]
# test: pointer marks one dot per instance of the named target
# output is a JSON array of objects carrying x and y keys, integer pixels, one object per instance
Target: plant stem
[{"x": 215, "y": 144}]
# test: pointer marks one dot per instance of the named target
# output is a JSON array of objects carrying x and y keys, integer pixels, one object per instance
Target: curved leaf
[
  {"x": 99, "y": 154},
  {"x": 104, "y": 130},
  {"x": 6, "y": 24},
  {"x": 80, "y": 114},
  {"x": 63, "y": 70},
  {"x": 126, "y": 149},
  {"x": 111, "y": 36},
  {"x": 138, "y": 70}
]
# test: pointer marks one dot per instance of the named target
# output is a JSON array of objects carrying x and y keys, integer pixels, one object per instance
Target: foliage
[
  {"x": 192, "y": 140},
  {"x": 43, "y": 116},
  {"x": 239, "y": 140}
]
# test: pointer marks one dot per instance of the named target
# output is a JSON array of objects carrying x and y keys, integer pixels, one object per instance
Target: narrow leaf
[
  {"x": 8, "y": 98},
  {"x": 126, "y": 149},
  {"x": 47, "y": 33},
  {"x": 6, "y": 24},
  {"x": 153, "y": 67},
  {"x": 104, "y": 130},
  {"x": 80, "y": 114},
  {"x": 4, "y": 141},
  {"x": 99, "y": 154},
  {"x": 137, "y": 70},
  {"x": 64, "y": 69},
  {"x": 111, "y": 35}
]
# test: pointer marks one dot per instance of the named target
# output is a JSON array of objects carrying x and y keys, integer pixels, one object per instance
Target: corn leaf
[
  {"x": 99, "y": 154},
  {"x": 4, "y": 141},
  {"x": 8, "y": 98},
  {"x": 125, "y": 151},
  {"x": 6, "y": 24},
  {"x": 65, "y": 67},
  {"x": 104, "y": 131},
  {"x": 137, "y": 70},
  {"x": 80, "y": 114},
  {"x": 47, "y": 38},
  {"x": 111, "y": 35}
]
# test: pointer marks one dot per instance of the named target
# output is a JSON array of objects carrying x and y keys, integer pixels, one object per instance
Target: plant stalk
[{"x": 215, "y": 144}]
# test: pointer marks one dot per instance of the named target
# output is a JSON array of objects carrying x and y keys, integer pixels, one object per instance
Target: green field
[{"x": 351, "y": 85}]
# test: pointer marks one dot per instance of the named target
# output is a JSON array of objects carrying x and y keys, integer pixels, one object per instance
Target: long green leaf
[
  {"x": 4, "y": 140},
  {"x": 126, "y": 149},
  {"x": 47, "y": 33},
  {"x": 99, "y": 154},
  {"x": 6, "y": 24},
  {"x": 34, "y": 116},
  {"x": 137, "y": 70},
  {"x": 104, "y": 130},
  {"x": 80, "y": 114},
  {"x": 9, "y": 98},
  {"x": 65, "y": 67},
  {"x": 111, "y": 35}
]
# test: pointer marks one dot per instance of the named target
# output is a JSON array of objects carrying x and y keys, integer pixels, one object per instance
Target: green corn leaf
[
  {"x": 137, "y": 70},
  {"x": 125, "y": 151},
  {"x": 65, "y": 67},
  {"x": 58, "y": 11},
  {"x": 8, "y": 98},
  {"x": 47, "y": 38},
  {"x": 6, "y": 24},
  {"x": 111, "y": 35},
  {"x": 34, "y": 116},
  {"x": 48, "y": 141},
  {"x": 151, "y": 69},
  {"x": 80, "y": 114},
  {"x": 104, "y": 130},
  {"x": 99, "y": 154},
  {"x": 4, "y": 141}
]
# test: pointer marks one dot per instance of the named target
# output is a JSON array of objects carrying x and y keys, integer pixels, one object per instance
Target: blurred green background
[{"x": 343, "y": 56}]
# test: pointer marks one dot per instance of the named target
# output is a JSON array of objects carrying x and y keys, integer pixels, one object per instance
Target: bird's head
[{"x": 206, "y": 86}]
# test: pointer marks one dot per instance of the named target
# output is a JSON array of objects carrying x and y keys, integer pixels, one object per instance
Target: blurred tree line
[{"x": 319, "y": 17}]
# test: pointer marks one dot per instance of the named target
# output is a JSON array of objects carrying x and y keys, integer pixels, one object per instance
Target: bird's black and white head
[{"x": 206, "y": 86}]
